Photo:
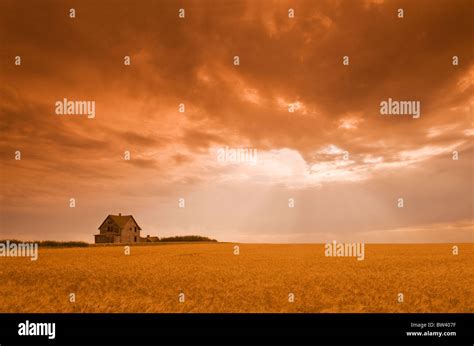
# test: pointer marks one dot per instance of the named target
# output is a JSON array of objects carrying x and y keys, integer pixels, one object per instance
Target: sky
[{"x": 343, "y": 164}]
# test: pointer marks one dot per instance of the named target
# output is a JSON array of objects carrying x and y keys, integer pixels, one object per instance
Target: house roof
[{"x": 120, "y": 220}]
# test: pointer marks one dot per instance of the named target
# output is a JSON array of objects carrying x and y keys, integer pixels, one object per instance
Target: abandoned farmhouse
[
  {"x": 124, "y": 229},
  {"x": 119, "y": 229}
]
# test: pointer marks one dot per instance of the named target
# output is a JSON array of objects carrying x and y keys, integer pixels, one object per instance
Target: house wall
[
  {"x": 129, "y": 234},
  {"x": 106, "y": 239}
]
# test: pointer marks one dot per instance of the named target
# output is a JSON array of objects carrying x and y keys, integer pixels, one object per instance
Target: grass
[
  {"x": 187, "y": 238},
  {"x": 260, "y": 279}
]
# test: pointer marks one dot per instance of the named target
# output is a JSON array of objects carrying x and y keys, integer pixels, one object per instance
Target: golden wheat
[{"x": 260, "y": 279}]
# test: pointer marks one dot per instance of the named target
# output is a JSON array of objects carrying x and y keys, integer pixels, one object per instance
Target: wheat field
[{"x": 259, "y": 279}]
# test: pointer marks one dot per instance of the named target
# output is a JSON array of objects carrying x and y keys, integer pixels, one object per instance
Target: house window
[{"x": 135, "y": 239}]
